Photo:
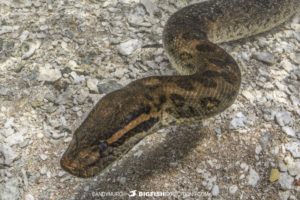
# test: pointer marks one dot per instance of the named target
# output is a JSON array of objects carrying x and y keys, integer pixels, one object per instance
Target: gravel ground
[{"x": 59, "y": 57}]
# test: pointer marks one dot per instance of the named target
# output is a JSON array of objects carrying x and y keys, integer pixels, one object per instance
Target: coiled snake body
[{"x": 209, "y": 83}]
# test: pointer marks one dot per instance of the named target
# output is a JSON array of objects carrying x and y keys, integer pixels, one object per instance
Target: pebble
[
  {"x": 293, "y": 167},
  {"x": 282, "y": 166},
  {"x": 258, "y": 149},
  {"x": 296, "y": 58},
  {"x": 32, "y": 47},
  {"x": 286, "y": 181},
  {"x": 287, "y": 65},
  {"x": 283, "y": 118},
  {"x": 215, "y": 190},
  {"x": 14, "y": 139},
  {"x": 150, "y": 6},
  {"x": 233, "y": 189},
  {"x": 108, "y": 87},
  {"x": 265, "y": 57},
  {"x": 43, "y": 170},
  {"x": 29, "y": 197},
  {"x": 49, "y": 74},
  {"x": 239, "y": 121},
  {"x": 289, "y": 131},
  {"x": 128, "y": 47},
  {"x": 294, "y": 148},
  {"x": 25, "y": 178},
  {"x": 7, "y": 154},
  {"x": 6, "y": 132},
  {"x": 137, "y": 16},
  {"x": 253, "y": 177},
  {"x": 77, "y": 78},
  {"x": 74, "y": 66},
  {"x": 43, "y": 157},
  {"x": 24, "y": 35},
  {"x": 61, "y": 173},
  {"x": 284, "y": 195},
  {"x": 9, "y": 189},
  {"x": 295, "y": 101},
  {"x": 92, "y": 84},
  {"x": 274, "y": 175},
  {"x": 3, "y": 91},
  {"x": 249, "y": 95},
  {"x": 244, "y": 166},
  {"x": 8, "y": 29},
  {"x": 86, "y": 188},
  {"x": 122, "y": 180},
  {"x": 265, "y": 140}
]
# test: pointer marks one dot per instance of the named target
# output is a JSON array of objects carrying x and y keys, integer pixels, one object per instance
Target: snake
[{"x": 208, "y": 82}]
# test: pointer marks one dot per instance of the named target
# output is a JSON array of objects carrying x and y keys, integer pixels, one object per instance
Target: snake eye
[{"x": 102, "y": 146}]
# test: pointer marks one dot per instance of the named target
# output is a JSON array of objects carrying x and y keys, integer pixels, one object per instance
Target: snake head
[{"x": 109, "y": 131}]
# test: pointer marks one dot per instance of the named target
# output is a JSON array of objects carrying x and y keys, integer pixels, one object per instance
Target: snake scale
[{"x": 209, "y": 82}]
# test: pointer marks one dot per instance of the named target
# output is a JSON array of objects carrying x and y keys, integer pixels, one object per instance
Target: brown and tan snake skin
[{"x": 209, "y": 82}]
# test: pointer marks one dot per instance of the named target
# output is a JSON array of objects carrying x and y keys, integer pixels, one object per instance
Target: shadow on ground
[{"x": 155, "y": 160}]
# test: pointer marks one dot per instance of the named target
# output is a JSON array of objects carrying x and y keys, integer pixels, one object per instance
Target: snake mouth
[{"x": 78, "y": 169}]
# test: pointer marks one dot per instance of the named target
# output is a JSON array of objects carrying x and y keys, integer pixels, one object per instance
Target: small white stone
[
  {"x": 284, "y": 195},
  {"x": 293, "y": 166},
  {"x": 253, "y": 177},
  {"x": 282, "y": 166},
  {"x": 287, "y": 65},
  {"x": 122, "y": 180},
  {"x": 74, "y": 66},
  {"x": 294, "y": 148},
  {"x": 295, "y": 100},
  {"x": 249, "y": 95},
  {"x": 128, "y": 47},
  {"x": 283, "y": 118},
  {"x": 8, "y": 155},
  {"x": 9, "y": 122},
  {"x": 92, "y": 84},
  {"x": 239, "y": 121},
  {"x": 289, "y": 131},
  {"x": 43, "y": 156},
  {"x": 86, "y": 188},
  {"x": 296, "y": 57},
  {"x": 10, "y": 189},
  {"x": 8, "y": 29},
  {"x": 265, "y": 57},
  {"x": 24, "y": 36},
  {"x": 244, "y": 166},
  {"x": 29, "y": 197},
  {"x": 215, "y": 190},
  {"x": 286, "y": 181},
  {"x": 61, "y": 173},
  {"x": 14, "y": 139},
  {"x": 32, "y": 48},
  {"x": 150, "y": 6},
  {"x": 43, "y": 170},
  {"x": 258, "y": 149},
  {"x": 233, "y": 189},
  {"x": 76, "y": 78},
  {"x": 6, "y": 132},
  {"x": 47, "y": 73}
]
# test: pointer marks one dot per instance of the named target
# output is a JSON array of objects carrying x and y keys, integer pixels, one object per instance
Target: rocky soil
[{"x": 59, "y": 57}]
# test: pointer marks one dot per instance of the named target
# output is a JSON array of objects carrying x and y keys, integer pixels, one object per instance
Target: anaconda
[{"x": 209, "y": 82}]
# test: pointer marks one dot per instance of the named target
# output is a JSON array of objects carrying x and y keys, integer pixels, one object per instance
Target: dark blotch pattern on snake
[{"x": 209, "y": 82}]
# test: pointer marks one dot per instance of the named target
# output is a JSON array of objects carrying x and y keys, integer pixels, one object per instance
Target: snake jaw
[{"x": 79, "y": 163}]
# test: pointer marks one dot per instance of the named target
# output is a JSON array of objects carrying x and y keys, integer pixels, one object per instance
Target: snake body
[{"x": 209, "y": 82}]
